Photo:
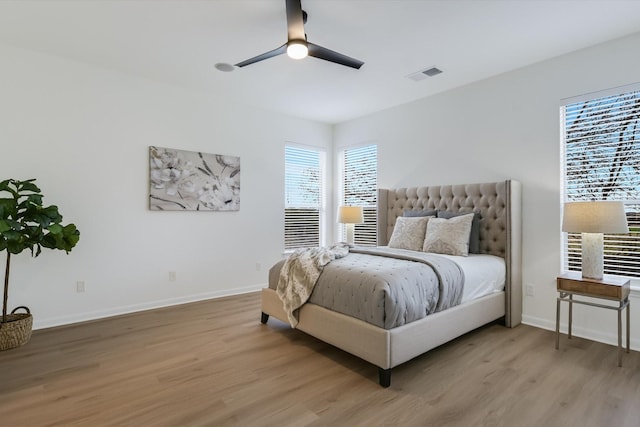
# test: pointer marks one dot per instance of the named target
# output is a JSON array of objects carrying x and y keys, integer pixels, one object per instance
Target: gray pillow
[
  {"x": 474, "y": 237},
  {"x": 415, "y": 213}
]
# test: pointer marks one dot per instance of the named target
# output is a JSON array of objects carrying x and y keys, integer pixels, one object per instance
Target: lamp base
[
  {"x": 350, "y": 233},
  {"x": 592, "y": 256}
]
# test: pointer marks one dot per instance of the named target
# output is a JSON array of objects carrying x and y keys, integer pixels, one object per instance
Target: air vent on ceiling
[{"x": 423, "y": 74}]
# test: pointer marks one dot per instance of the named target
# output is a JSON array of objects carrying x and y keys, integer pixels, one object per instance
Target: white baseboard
[
  {"x": 607, "y": 338},
  {"x": 116, "y": 311}
]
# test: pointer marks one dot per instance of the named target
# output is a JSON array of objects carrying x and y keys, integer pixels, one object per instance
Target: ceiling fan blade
[
  {"x": 295, "y": 21},
  {"x": 332, "y": 56},
  {"x": 275, "y": 52}
]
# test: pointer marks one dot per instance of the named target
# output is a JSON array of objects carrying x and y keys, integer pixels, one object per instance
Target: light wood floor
[{"x": 213, "y": 364}]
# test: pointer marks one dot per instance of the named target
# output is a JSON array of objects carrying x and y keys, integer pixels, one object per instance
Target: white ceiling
[{"x": 179, "y": 42}]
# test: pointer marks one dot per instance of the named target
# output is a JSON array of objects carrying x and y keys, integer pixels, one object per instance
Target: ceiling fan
[{"x": 297, "y": 46}]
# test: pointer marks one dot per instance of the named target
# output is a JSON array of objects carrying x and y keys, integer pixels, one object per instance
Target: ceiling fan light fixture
[
  {"x": 297, "y": 46},
  {"x": 297, "y": 49}
]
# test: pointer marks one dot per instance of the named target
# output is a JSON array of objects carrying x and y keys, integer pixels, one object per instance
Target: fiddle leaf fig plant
[{"x": 26, "y": 224}]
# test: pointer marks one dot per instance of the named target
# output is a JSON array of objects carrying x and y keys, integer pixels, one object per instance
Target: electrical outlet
[
  {"x": 80, "y": 286},
  {"x": 529, "y": 290},
  {"x": 172, "y": 276}
]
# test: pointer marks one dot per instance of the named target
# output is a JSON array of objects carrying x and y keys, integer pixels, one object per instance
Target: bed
[{"x": 497, "y": 206}]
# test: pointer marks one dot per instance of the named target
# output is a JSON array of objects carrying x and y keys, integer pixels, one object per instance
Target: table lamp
[
  {"x": 592, "y": 219},
  {"x": 350, "y": 215}
]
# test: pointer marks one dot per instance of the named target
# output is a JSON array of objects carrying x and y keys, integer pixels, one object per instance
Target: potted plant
[{"x": 26, "y": 224}]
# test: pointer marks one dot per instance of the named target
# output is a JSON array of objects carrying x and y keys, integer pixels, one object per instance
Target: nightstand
[{"x": 613, "y": 288}]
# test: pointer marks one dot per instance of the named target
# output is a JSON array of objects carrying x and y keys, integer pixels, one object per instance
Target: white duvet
[{"x": 484, "y": 274}]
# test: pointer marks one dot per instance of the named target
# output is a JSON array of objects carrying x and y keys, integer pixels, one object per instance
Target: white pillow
[
  {"x": 448, "y": 236},
  {"x": 408, "y": 233}
]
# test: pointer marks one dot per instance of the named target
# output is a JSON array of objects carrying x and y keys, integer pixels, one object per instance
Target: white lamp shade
[
  {"x": 350, "y": 215},
  {"x": 595, "y": 217}
]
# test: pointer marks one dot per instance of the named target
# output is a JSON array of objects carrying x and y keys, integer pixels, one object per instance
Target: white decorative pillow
[
  {"x": 408, "y": 233},
  {"x": 448, "y": 236}
]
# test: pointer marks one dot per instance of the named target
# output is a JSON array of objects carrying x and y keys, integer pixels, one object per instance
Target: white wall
[
  {"x": 84, "y": 133},
  {"x": 506, "y": 127}
]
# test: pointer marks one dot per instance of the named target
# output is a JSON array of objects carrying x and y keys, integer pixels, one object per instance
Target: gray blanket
[
  {"x": 386, "y": 287},
  {"x": 300, "y": 273}
]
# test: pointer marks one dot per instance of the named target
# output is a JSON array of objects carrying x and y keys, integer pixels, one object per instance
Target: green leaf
[
  {"x": 71, "y": 236},
  {"x": 12, "y": 235},
  {"x": 7, "y": 208},
  {"x": 8, "y": 186},
  {"x": 4, "y": 226},
  {"x": 35, "y": 199},
  {"x": 52, "y": 212},
  {"x": 41, "y": 218},
  {"x": 65, "y": 240},
  {"x": 51, "y": 241},
  {"x": 15, "y": 225},
  {"x": 28, "y": 185},
  {"x": 15, "y": 247},
  {"x": 55, "y": 229}
]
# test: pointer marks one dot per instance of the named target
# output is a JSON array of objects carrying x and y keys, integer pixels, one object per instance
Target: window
[
  {"x": 360, "y": 188},
  {"x": 601, "y": 161},
  {"x": 304, "y": 196}
]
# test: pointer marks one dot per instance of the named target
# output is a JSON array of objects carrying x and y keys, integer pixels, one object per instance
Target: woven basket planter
[{"x": 17, "y": 330}]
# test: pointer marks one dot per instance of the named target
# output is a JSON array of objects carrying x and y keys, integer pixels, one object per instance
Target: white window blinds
[
  {"x": 360, "y": 188},
  {"x": 601, "y": 161},
  {"x": 303, "y": 197}
]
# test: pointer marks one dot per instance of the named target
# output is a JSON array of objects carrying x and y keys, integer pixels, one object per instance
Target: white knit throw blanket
[{"x": 300, "y": 273}]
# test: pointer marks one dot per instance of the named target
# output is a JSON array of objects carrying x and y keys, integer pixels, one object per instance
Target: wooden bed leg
[
  {"x": 384, "y": 377},
  {"x": 264, "y": 318}
]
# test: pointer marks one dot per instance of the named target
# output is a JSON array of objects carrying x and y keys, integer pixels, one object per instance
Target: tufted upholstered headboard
[{"x": 500, "y": 207}]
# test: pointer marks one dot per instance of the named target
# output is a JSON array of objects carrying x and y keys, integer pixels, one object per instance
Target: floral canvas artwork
[{"x": 182, "y": 180}]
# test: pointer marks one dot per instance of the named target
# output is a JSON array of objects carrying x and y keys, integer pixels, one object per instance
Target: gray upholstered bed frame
[{"x": 499, "y": 205}]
